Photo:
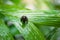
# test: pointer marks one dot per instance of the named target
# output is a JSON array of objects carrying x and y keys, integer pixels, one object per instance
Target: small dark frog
[{"x": 24, "y": 20}]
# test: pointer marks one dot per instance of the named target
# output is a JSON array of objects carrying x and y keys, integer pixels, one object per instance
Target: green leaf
[
  {"x": 42, "y": 18},
  {"x": 34, "y": 32},
  {"x": 13, "y": 30},
  {"x": 4, "y": 32},
  {"x": 30, "y": 32},
  {"x": 51, "y": 33}
]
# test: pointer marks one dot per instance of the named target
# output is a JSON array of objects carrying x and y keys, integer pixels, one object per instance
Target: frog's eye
[{"x": 24, "y": 19}]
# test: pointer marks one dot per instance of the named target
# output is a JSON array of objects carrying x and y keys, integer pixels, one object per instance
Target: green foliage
[
  {"x": 4, "y": 32},
  {"x": 40, "y": 22}
]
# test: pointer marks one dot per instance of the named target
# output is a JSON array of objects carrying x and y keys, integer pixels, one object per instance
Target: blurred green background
[{"x": 43, "y": 20}]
